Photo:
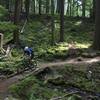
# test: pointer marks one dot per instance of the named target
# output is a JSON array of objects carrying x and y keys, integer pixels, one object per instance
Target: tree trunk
[
  {"x": 40, "y": 7},
  {"x": 17, "y": 20},
  {"x": 27, "y": 8},
  {"x": 7, "y": 4},
  {"x": 61, "y": 20},
  {"x": 96, "y": 44},
  {"x": 21, "y": 6},
  {"x": 73, "y": 7},
  {"x": 70, "y": 8},
  {"x": 77, "y": 14},
  {"x": 94, "y": 9},
  {"x": 52, "y": 23},
  {"x": 47, "y": 6},
  {"x": 83, "y": 8},
  {"x": 34, "y": 6},
  {"x": 58, "y": 6}
]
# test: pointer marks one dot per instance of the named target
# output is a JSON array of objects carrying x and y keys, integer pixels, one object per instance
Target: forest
[{"x": 49, "y": 49}]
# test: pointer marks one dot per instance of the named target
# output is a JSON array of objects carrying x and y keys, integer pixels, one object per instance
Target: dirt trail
[
  {"x": 4, "y": 84},
  {"x": 84, "y": 63}
]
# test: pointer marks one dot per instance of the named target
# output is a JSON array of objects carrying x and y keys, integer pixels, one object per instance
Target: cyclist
[
  {"x": 28, "y": 52},
  {"x": 29, "y": 58}
]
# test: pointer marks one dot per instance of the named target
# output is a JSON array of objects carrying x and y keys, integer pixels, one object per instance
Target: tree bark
[
  {"x": 61, "y": 20},
  {"x": 47, "y": 6},
  {"x": 83, "y": 8},
  {"x": 73, "y": 7},
  {"x": 27, "y": 8},
  {"x": 7, "y": 4},
  {"x": 17, "y": 20},
  {"x": 34, "y": 6},
  {"x": 77, "y": 11},
  {"x": 40, "y": 7},
  {"x": 94, "y": 9},
  {"x": 96, "y": 43},
  {"x": 70, "y": 8},
  {"x": 52, "y": 22},
  {"x": 58, "y": 6}
]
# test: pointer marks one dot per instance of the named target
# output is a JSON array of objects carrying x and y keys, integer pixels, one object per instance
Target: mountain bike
[{"x": 29, "y": 64}]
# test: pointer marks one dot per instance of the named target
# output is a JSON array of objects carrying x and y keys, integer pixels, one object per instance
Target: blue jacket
[{"x": 28, "y": 51}]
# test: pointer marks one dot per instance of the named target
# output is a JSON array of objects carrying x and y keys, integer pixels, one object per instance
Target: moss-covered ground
[{"x": 66, "y": 80}]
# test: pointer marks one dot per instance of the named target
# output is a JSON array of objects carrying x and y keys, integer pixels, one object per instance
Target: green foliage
[
  {"x": 17, "y": 53},
  {"x": 38, "y": 36},
  {"x": 3, "y": 12},
  {"x": 7, "y": 27},
  {"x": 35, "y": 35},
  {"x": 79, "y": 79},
  {"x": 78, "y": 31},
  {"x": 14, "y": 62},
  {"x": 20, "y": 88},
  {"x": 32, "y": 89}
]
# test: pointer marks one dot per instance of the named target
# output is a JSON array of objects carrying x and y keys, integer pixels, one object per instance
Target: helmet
[{"x": 26, "y": 48}]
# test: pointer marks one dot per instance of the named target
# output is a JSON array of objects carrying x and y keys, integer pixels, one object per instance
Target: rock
[{"x": 3, "y": 77}]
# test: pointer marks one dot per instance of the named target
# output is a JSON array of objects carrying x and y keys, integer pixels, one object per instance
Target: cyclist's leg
[
  {"x": 26, "y": 61},
  {"x": 30, "y": 62}
]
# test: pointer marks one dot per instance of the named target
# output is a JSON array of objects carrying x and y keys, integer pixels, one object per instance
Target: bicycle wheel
[{"x": 34, "y": 64}]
